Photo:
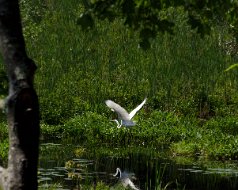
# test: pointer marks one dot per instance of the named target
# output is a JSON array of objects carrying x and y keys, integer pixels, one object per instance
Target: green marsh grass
[
  {"x": 182, "y": 75},
  {"x": 79, "y": 69}
]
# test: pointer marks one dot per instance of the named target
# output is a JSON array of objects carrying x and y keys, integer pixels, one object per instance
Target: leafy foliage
[{"x": 145, "y": 15}]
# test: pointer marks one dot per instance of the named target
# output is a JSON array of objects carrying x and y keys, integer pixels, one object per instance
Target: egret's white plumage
[
  {"x": 124, "y": 178},
  {"x": 124, "y": 118}
]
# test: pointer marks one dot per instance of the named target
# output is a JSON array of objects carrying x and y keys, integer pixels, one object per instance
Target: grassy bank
[
  {"x": 180, "y": 136},
  {"x": 192, "y": 102}
]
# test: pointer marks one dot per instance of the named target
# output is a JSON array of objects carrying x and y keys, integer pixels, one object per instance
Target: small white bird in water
[
  {"x": 125, "y": 180},
  {"x": 124, "y": 118}
]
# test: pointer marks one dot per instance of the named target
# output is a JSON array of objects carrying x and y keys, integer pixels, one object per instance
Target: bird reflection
[{"x": 124, "y": 179}]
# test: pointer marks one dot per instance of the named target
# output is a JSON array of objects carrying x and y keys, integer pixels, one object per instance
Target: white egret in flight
[
  {"x": 124, "y": 179},
  {"x": 124, "y": 118}
]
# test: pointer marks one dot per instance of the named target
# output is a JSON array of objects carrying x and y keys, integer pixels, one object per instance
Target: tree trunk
[{"x": 21, "y": 104}]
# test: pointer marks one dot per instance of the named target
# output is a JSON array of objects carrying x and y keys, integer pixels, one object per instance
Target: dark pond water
[{"x": 58, "y": 164}]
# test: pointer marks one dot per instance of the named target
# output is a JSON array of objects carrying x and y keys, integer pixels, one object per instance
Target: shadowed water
[{"x": 146, "y": 171}]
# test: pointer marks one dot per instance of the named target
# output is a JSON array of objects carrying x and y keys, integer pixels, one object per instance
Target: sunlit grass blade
[{"x": 231, "y": 67}]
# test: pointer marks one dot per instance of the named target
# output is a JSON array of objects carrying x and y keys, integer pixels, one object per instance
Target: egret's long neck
[{"x": 118, "y": 171}]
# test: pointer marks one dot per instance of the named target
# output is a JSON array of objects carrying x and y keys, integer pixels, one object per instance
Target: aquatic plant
[{"x": 190, "y": 97}]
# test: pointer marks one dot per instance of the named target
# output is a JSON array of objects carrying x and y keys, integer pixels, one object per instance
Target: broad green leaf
[{"x": 232, "y": 67}]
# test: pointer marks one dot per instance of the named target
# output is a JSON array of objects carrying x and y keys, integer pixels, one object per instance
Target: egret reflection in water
[
  {"x": 124, "y": 118},
  {"x": 125, "y": 179}
]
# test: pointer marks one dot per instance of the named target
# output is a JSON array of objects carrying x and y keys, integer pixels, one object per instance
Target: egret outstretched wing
[
  {"x": 122, "y": 113},
  {"x": 133, "y": 112},
  {"x": 124, "y": 118}
]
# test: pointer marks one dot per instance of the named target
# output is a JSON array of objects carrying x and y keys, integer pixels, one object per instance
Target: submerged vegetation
[{"x": 192, "y": 103}]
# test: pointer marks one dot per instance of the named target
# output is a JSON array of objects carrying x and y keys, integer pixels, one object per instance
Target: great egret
[
  {"x": 124, "y": 178},
  {"x": 124, "y": 118}
]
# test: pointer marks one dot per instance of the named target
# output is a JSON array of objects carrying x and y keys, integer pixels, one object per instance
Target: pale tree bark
[{"x": 21, "y": 104}]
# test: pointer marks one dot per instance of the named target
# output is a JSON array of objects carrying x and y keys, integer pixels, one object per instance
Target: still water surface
[{"x": 144, "y": 171}]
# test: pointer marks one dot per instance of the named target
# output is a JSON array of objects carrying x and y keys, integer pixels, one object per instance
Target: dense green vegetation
[
  {"x": 192, "y": 102},
  {"x": 149, "y": 17}
]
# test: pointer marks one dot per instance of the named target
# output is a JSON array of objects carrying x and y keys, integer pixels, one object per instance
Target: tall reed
[{"x": 79, "y": 69}]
